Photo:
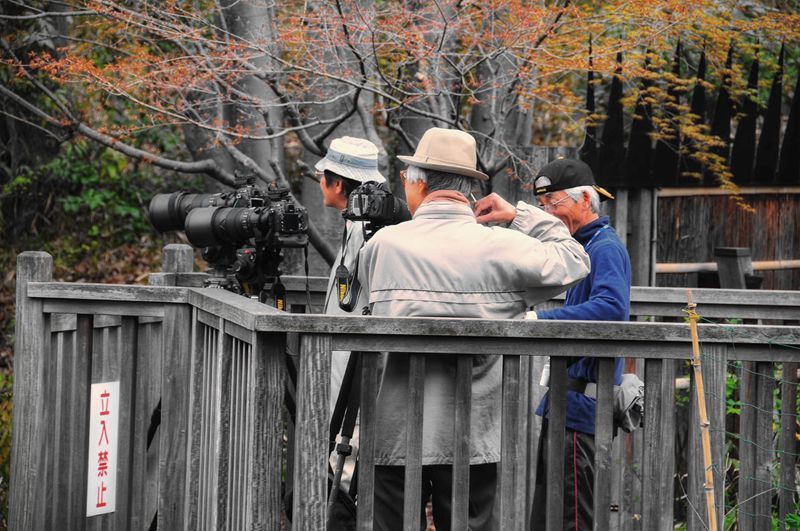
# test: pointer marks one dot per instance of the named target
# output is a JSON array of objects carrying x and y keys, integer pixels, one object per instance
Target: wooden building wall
[{"x": 690, "y": 227}]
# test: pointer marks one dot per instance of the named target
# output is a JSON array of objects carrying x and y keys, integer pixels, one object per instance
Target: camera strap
[{"x": 347, "y": 285}]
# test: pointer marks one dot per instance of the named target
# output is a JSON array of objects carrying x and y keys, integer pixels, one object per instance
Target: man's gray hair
[
  {"x": 576, "y": 194},
  {"x": 439, "y": 180}
]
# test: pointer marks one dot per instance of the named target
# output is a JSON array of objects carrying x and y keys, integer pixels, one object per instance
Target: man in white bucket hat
[
  {"x": 443, "y": 263},
  {"x": 348, "y": 163}
]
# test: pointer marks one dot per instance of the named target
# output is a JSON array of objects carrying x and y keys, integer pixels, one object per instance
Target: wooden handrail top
[
  {"x": 639, "y": 294},
  {"x": 108, "y": 292},
  {"x": 700, "y": 296},
  {"x": 231, "y": 307},
  {"x": 253, "y": 315}
]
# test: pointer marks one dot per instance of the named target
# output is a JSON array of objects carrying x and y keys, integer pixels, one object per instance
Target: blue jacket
[{"x": 602, "y": 296}]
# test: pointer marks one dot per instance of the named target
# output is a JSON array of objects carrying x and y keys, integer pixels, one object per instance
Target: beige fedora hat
[{"x": 447, "y": 150}]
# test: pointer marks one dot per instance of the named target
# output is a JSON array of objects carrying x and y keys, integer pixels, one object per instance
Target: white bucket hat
[
  {"x": 352, "y": 158},
  {"x": 447, "y": 150}
]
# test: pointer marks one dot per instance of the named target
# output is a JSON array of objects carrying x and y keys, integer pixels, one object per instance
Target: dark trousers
[
  {"x": 437, "y": 484},
  {"x": 578, "y": 482}
]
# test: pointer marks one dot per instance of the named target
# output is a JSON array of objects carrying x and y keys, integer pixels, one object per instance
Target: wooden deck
[{"x": 203, "y": 434}]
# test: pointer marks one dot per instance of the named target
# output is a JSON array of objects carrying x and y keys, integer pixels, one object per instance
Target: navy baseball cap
[{"x": 562, "y": 174}]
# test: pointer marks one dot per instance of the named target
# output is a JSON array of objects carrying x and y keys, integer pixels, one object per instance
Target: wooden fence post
[
  {"x": 733, "y": 263},
  {"x": 26, "y": 504},
  {"x": 311, "y": 437},
  {"x": 175, "y": 386}
]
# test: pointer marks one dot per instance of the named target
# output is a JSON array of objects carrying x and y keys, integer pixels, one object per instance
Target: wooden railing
[{"x": 212, "y": 365}]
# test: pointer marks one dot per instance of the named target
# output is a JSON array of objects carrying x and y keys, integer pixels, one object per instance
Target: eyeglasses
[{"x": 549, "y": 207}]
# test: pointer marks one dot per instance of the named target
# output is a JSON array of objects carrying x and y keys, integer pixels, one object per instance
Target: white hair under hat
[{"x": 352, "y": 158}]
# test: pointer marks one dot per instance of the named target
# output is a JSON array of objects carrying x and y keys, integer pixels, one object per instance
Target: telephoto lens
[
  {"x": 211, "y": 226},
  {"x": 169, "y": 211}
]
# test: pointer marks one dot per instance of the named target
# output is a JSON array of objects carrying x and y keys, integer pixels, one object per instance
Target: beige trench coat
[{"x": 444, "y": 264}]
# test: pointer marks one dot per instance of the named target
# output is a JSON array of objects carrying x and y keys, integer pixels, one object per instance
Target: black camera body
[
  {"x": 375, "y": 205},
  {"x": 242, "y": 232}
]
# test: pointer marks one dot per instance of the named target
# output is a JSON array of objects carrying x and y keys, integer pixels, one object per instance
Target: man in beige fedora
[{"x": 442, "y": 263}]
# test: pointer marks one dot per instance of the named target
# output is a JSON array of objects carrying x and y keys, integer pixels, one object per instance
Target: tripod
[{"x": 343, "y": 421}]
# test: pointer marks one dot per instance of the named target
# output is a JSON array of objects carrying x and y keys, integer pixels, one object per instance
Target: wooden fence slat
[
  {"x": 311, "y": 437},
  {"x": 525, "y": 414},
  {"x": 555, "y": 443},
  {"x": 652, "y": 442},
  {"x": 764, "y": 405},
  {"x": 603, "y": 437},
  {"x": 63, "y": 345},
  {"x": 29, "y": 422},
  {"x": 366, "y": 463},
  {"x": 667, "y": 419},
  {"x": 509, "y": 442},
  {"x": 630, "y": 498},
  {"x": 461, "y": 443},
  {"x": 222, "y": 360},
  {"x": 173, "y": 430},
  {"x": 412, "y": 489},
  {"x": 128, "y": 351},
  {"x": 79, "y": 420},
  {"x": 747, "y": 457},
  {"x": 534, "y": 427},
  {"x": 195, "y": 431},
  {"x": 267, "y": 501},
  {"x": 788, "y": 442}
]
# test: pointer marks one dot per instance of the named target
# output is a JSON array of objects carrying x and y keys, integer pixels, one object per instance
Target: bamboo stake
[{"x": 701, "y": 408}]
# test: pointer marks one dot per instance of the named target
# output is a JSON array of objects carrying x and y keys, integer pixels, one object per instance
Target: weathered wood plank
[
  {"x": 525, "y": 415},
  {"x": 652, "y": 442},
  {"x": 108, "y": 292},
  {"x": 641, "y": 240},
  {"x": 461, "y": 443},
  {"x": 603, "y": 437},
  {"x": 415, "y": 405},
  {"x": 561, "y": 347},
  {"x": 536, "y": 392},
  {"x": 508, "y": 442},
  {"x": 29, "y": 421},
  {"x": 63, "y": 345},
  {"x": 177, "y": 258},
  {"x": 186, "y": 280},
  {"x": 266, "y": 501},
  {"x": 175, "y": 387},
  {"x": 747, "y": 457},
  {"x": 667, "y": 419},
  {"x": 103, "y": 307},
  {"x": 311, "y": 437},
  {"x": 128, "y": 354},
  {"x": 632, "y": 333},
  {"x": 555, "y": 443},
  {"x": 366, "y": 463},
  {"x": 762, "y": 442},
  {"x": 787, "y": 445},
  {"x": 663, "y": 296},
  {"x": 79, "y": 423},
  {"x": 195, "y": 421}
]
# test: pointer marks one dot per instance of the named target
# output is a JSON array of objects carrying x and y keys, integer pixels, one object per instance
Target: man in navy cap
[{"x": 566, "y": 189}]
